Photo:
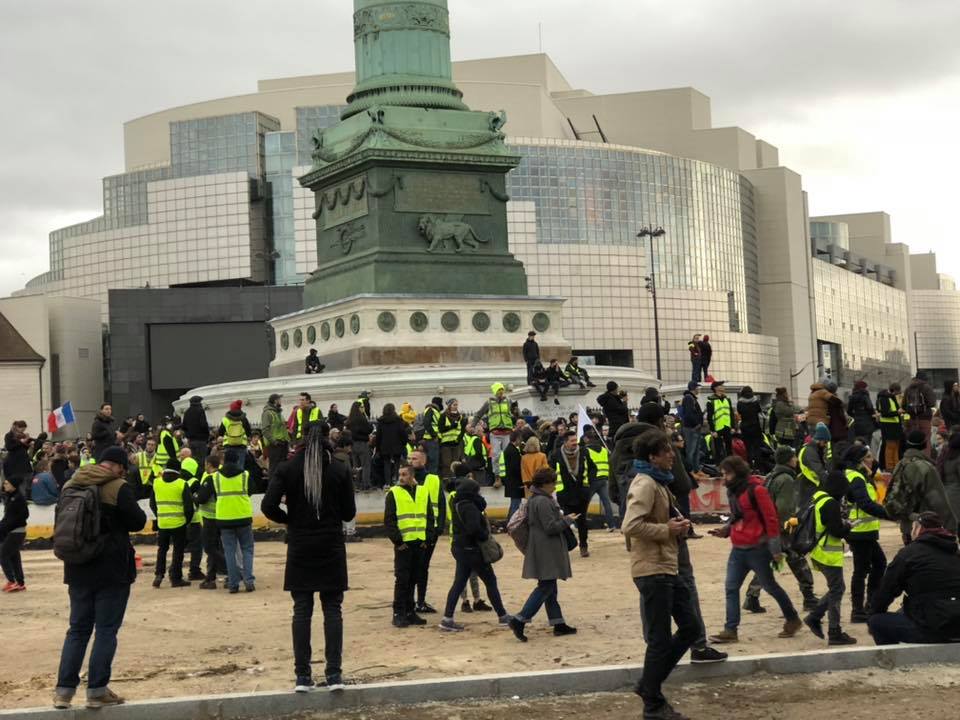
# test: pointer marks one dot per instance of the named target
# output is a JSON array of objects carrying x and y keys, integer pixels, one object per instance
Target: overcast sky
[{"x": 862, "y": 97}]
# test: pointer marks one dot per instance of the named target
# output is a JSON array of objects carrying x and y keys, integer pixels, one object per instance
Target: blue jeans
[
  {"x": 892, "y": 628},
  {"x": 691, "y": 443},
  {"x": 432, "y": 448},
  {"x": 697, "y": 370},
  {"x": 232, "y": 537},
  {"x": 514, "y": 506},
  {"x": 602, "y": 488},
  {"x": 545, "y": 593},
  {"x": 101, "y": 609},
  {"x": 741, "y": 562}
]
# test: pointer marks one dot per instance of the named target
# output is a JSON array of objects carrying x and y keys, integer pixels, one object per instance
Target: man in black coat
[
  {"x": 569, "y": 462},
  {"x": 531, "y": 354},
  {"x": 614, "y": 404},
  {"x": 17, "y": 443},
  {"x": 196, "y": 429},
  {"x": 102, "y": 431},
  {"x": 316, "y": 554},
  {"x": 927, "y": 571},
  {"x": 513, "y": 477},
  {"x": 99, "y": 589}
]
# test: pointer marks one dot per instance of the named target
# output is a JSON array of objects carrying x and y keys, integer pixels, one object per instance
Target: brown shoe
[
  {"x": 62, "y": 701},
  {"x": 108, "y": 698},
  {"x": 790, "y": 628},
  {"x": 725, "y": 637}
]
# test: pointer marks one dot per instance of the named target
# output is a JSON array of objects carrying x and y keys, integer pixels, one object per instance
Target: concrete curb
[{"x": 555, "y": 682}]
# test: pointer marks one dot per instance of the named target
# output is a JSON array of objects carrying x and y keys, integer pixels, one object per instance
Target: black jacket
[
  {"x": 336, "y": 420},
  {"x": 316, "y": 555},
  {"x": 860, "y": 408},
  {"x": 950, "y": 410},
  {"x": 706, "y": 353},
  {"x": 692, "y": 412},
  {"x": 360, "y": 429},
  {"x": 615, "y": 409},
  {"x": 392, "y": 434},
  {"x": 15, "y": 512},
  {"x": 833, "y": 520},
  {"x": 120, "y": 515},
  {"x": 513, "y": 480},
  {"x": 390, "y": 517},
  {"x": 928, "y": 572},
  {"x": 17, "y": 462},
  {"x": 531, "y": 352},
  {"x": 207, "y": 492},
  {"x": 103, "y": 434},
  {"x": 750, "y": 410},
  {"x": 195, "y": 426},
  {"x": 574, "y": 484},
  {"x": 468, "y": 524},
  {"x": 555, "y": 374}
]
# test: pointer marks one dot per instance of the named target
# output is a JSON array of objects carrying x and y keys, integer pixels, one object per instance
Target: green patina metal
[{"x": 410, "y": 185}]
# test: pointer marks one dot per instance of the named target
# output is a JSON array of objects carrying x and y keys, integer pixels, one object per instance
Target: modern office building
[{"x": 210, "y": 196}]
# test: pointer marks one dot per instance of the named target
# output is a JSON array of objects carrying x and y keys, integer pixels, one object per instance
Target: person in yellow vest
[
  {"x": 500, "y": 416},
  {"x": 869, "y": 562},
  {"x": 815, "y": 460},
  {"x": 431, "y": 434},
  {"x": 167, "y": 447},
  {"x": 407, "y": 516},
  {"x": 891, "y": 414},
  {"x": 827, "y": 557},
  {"x": 146, "y": 462},
  {"x": 172, "y": 505},
  {"x": 431, "y": 482},
  {"x": 721, "y": 421},
  {"x": 451, "y": 427},
  {"x": 598, "y": 475},
  {"x": 474, "y": 454},
  {"x": 216, "y": 562},
  {"x": 305, "y": 413},
  {"x": 230, "y": 487},
  {"x": 235, "y": 428},
  {"x": 190, "y": 472}
]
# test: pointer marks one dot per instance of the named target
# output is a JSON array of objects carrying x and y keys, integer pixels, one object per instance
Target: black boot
[{"x": 752, "y": 604}]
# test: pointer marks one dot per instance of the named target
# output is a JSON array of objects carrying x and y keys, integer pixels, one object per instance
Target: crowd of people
[{"x": 802, "y": 484}]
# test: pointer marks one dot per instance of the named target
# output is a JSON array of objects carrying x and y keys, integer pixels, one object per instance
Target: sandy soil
[
  {"x": 187, "y": 641},
  {"x": 931, "y": 691}
]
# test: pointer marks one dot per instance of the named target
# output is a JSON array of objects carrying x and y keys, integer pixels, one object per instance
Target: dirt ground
[
  {"x": 187, "y": 641},
  {"x": 930, "y": 691}
]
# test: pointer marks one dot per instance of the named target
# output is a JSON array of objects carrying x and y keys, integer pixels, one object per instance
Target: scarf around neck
[
  {"x": 663, "y": 477},
  {"x": 571, "y": 459}
]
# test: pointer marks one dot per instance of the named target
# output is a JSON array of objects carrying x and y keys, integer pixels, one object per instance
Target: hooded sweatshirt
[
  {"x": 750, "y": 411},
  {"x": 754, "y": 521}
]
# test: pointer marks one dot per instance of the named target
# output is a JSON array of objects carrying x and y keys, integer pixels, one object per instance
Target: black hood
[
  {"x": 943, "y": 541},
  {"x": 751, "y": 399},
  {"x": 196, "y": 400},
  {"x": 467, "y": 486},
  {"x": 235, "y": 415},
  {"x": 384, "y": 420}
]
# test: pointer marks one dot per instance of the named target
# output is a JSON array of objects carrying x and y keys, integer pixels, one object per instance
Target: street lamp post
[
  {"x": 271, "y": 257},
  {"x": 652, "y": 288}
]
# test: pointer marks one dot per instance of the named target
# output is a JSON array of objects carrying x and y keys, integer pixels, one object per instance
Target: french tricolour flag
[{"x": 63, "y": 415}]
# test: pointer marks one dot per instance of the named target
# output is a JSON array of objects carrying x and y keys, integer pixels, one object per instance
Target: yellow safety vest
[
  {"x": 161, "y": 458},
  {"x": 145, "y": 467},
  {"x": 208, "y": 510},
  {"x": 233, "y": 435},
  {"x": 559, "y": 488},
  {"x": 431, "y": 416},
  {"x": 502, "y": 469},
  {"x": 870, "y": 523},
  {"x": 806, "y": 471},
  {"x": 722, "y": 413},
  {"x": 313, "y": 417},
  {"x": 169, "y": 499},
  {"x": 452, "y": 434},
  {"x": 450, "y": 497},
  {"x": 192, "y": 467},
  {"x": 601, "y": 459},
  {"x": 472, "y": 446},
  {"x": 233, "y": 498},
  {"x": 895, "y": 418},
  {"x": 410, "y": 449},
  {"x": 411, "y": 512},
  {"x": 87, "y": 461},
  {"x": 499, "y": 416},
  {"x": 829, "y": 550},
  {"x": 431, "y": 484}
]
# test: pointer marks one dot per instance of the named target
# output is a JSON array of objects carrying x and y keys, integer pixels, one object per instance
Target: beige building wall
[
  {"x": 783, "y": 248},
  {"x": 20, "y": 390},
  {"x": 923, "y": 272},
  {"x": 29, "y": 314}
]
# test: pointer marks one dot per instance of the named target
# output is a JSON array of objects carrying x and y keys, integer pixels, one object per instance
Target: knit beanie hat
[
  {"x": 916, "y": 440},
  {"x": 821, "y": 433},
  {"x": 236, "y": 405},
  {"x": 114, "y": 454}
]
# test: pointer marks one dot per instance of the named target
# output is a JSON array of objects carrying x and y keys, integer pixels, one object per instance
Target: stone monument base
[{"x": 418, "y": 330}]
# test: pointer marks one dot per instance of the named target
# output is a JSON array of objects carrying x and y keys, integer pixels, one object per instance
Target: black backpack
[
  {"x": 804, "y": 537},
  {"x": 76, "y": 527}
]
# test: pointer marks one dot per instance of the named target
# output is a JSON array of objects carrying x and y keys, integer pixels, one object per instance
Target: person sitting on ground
[
  {"x": 927, "y": 572},
  {"x": 45, "y": 490}
]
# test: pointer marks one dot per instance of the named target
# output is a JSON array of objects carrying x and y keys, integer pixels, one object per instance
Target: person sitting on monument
[
  {"x": 539, "y": 380},
  {"x": 313, "y": 364},
  {"x": 556, "y": 379},
  {"x": 577, "y": 374}
]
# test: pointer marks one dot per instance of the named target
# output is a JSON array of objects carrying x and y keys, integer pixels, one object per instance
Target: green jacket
[
  {"x": 273, "y": 427},
  {"x": 782, "y": 486},
  {"x": 915, "y": 488}
]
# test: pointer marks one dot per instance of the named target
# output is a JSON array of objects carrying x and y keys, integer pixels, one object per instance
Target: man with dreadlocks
[{"x": 319, "y": 498}]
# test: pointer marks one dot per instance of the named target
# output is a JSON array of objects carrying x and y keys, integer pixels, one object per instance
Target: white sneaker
[{"x": 305, "y": 686}]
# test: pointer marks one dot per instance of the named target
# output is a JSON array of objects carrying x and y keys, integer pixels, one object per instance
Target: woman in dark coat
[
  {"x": 319, "y": 499},
  {"x": 469, "y": 528},
  {"x": 950, "y": 405},
  {"x": 860, "y": 408},
  {"x": 513, "y": 479},
  {"x": 360, "y": 429},
  {"x": 391, "y": 443}
]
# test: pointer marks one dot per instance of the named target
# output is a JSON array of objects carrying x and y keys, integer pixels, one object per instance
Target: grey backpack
[{"x": 76, "y": 527}]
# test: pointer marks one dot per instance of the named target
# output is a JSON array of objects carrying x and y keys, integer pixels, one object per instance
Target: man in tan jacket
[{"x": 652, "y": 526}]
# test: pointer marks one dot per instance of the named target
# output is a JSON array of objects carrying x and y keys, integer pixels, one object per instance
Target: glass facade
[
  {"x": 824, "y": 234},
  {"x": 862, "y": 327}
]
